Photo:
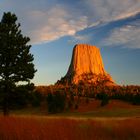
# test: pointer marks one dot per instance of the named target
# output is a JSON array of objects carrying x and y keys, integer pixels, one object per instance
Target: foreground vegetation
[{"x": 49, "y": 128}]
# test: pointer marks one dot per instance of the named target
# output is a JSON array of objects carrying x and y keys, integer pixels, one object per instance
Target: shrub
[
  {"x": 136, "y": 99},
  {"x": 56, "y": 102},
  {"x": 104, "y": 98}
]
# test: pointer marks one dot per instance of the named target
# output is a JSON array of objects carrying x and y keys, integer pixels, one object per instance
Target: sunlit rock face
[{"x": 86, "y": 67}]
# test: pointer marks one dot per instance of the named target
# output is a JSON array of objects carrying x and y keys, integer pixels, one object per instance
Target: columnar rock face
[
  {"x": 86, "y": 59},
  {"x": 86, "y": 66}
]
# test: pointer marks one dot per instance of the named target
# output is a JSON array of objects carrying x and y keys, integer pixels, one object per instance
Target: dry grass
[
  {"x": 96, "y": 105},
  {"x": 58, "y": 128}
]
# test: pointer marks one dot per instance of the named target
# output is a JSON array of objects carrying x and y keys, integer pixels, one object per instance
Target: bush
[
  {"x": 35, "y": 98},
  {"x": 136, "y": 99},
  {"x": 105, "y": 101},
  {"x": 104, "y": 98},
  {"x": 22, "y": 95},
  {"x": 19, "y": 97},
  {"x": 56, "y": 102},
  {"x": 76, "y": 106}
]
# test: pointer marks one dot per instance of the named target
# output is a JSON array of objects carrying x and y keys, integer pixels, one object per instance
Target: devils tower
[{"x": 87, "y": 67}]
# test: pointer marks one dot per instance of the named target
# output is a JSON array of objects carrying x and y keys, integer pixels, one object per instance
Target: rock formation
[{"x": 86, "y": 67}]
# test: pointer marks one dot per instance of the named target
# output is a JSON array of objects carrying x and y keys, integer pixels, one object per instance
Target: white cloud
[
  {"x": 80, "y": 38},
  {"x": 126, "y": 15},
  {"x": 113, "y": 10},
  {"x": 128, "y": 36},
  {"x": 110, "y": 10},
  {"x": 56, "y": 23},
  {"x": 94, "y": 24},
  {"x": 49, "y": 20}
]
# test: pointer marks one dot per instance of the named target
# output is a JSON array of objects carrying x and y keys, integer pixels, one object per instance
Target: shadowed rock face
[{"x": 86, "y": 66}]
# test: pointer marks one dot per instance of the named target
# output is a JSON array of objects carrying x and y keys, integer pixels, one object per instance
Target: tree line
[{"x": 72, "y": 94}]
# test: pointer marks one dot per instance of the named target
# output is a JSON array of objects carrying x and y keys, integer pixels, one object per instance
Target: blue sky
[{"x": 55, "y": 26}]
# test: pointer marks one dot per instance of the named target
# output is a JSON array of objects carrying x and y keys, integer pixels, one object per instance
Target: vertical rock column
[{"x": 86, "y": 62}]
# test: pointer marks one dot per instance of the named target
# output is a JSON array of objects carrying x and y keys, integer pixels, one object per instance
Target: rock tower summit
[{"x": 86, "y": 66}]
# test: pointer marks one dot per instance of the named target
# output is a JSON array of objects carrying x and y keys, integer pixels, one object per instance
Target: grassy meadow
[
  {"x": 115, "y": 108},
  {"x": 116, "y": 121},
  {"x": 60, "y": 128}
]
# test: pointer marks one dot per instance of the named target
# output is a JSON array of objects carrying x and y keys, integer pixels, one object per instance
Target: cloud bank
[
  {"x": 57, "y": 22},
  {"x": 109, "y": 10},
  {"x": 127, "y": 35},
  {"x": 49, "y": 20}
]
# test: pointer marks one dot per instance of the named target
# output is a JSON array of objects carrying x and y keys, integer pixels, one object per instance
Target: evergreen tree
[{"x": 15, "y": 57}]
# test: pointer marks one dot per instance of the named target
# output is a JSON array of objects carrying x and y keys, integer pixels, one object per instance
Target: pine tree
[{"x": 15, "y": 57}]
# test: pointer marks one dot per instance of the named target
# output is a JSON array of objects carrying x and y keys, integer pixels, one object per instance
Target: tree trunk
[
  {"x": 6, "y": 101},
  {"x": 5, "y": 106}
]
